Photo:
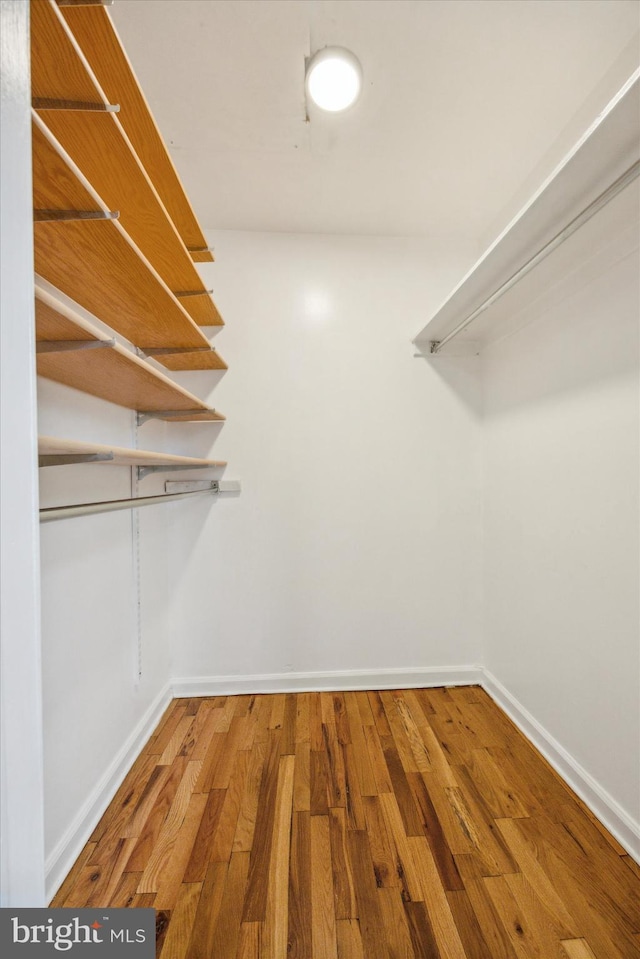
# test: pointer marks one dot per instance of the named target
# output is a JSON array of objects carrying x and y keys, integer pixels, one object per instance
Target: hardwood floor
[{"x": 380, "y": 825}]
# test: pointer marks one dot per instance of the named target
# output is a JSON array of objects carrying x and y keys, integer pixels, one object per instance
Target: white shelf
[
  {"x": 52, "y": 450},
  {"x": 608, "y": 149}
]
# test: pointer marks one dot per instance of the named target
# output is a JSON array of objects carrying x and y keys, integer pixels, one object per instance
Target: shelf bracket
[
  {"x": 146, "y": 470},
  {"x": 434, "y": 346},
  {"x": 199, "y": 249},
  {"x": 43, "y": 216},
  {"x": 191, "y": 486},
  {"x": 64, "y": 346},
  {"x": 152, "y": 351},
  {"x": 183, "y": 293},
  {"x": 71, "y": 459},
  {"x": 81, "y": 106},
  {"x": 200, "y": 486},
  {"x": 143, "y": 415}
]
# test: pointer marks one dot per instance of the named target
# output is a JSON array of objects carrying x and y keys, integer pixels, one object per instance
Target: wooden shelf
[
  {"x": 609, "y": 148},
  {"x": 113, "y": 373},
  {"x": 97, "y": 37},
  {"x": 95, "y": 262},
  {"x": 115, "y": 240},
  {"x": 96, "y": 142},
  {"x": 120, "y": 456}
]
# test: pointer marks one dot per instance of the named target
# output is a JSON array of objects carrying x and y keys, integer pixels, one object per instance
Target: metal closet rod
[
  {"x": 107, "y": 506},
  {"x": 605, "y": 197}
]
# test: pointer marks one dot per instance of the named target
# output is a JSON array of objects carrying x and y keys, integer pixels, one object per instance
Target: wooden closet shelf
[
  {"x": 97, "y": 37},
  {"x": 69, "y": 451},
  {"x": 96, "y": 263},
  {"x": 95, "y": 140},
  {"x": 112, "y": 373},
  {"x": 208, "y": 360},
  {"x": 201, "y": 256}
]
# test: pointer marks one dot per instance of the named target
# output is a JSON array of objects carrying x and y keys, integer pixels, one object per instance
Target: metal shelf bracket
[
  {"x": 152, "y": 351},
  {"x": 71, "y": 459},
  {"x": 182, "y": 293},
  {"x": 143, "y": 415},
  {"x": 64, "y": 346},
  {"x": 81, "y": 106},
  {"x": 46, "y": 216}
]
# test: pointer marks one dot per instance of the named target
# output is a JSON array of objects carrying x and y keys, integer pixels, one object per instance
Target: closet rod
[
  {"x": 107, "y": 506},
  {"x": 605, "y": 197}
]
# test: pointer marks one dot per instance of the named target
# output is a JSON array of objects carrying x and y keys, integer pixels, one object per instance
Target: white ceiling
[{"x": 463, "y": 103}]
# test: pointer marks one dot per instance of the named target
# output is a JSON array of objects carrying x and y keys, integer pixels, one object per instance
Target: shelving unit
[
  {"x": 96, "y": 142},
  {"x": 96, "y": 35},
  {"x": 582, "y": 220},
  {"x": 111, "y": 372},
  {"x": 53, "y": 451},
  {"x": 115, "y": 239},
  {"x": 96, "y": 263}
]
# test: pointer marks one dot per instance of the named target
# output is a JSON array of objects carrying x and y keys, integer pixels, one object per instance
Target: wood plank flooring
[{"x": 405, "y": 824}]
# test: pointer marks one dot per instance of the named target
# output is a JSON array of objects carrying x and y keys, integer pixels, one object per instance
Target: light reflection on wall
[{"x": 316, "y": 306}]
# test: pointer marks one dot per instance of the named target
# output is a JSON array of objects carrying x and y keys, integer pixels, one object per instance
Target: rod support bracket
[
  {"x": 143, "y": 471},
  {"x": 191, "y": 486}
]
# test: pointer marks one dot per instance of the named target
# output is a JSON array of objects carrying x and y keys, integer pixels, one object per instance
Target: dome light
[{"x": 333, "y": 79}]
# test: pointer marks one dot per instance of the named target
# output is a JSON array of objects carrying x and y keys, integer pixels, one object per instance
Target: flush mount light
[{"x": 333, "y": 79}]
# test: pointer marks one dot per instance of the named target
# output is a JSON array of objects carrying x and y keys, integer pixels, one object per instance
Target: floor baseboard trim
[
  {"x": 331, "y": 681},
  {"x": 602, "y": 805},
  {"x": 70, "y": 845}
]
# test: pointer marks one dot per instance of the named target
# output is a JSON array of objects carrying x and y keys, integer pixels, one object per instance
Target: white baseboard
[
  {"x": 603, "y": 806},
  {"x": 332, "y": 681},
  {"x": 70, "y": 845}
]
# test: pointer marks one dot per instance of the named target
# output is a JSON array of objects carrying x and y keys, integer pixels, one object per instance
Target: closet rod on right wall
[
  {"x": 599, "y": 175},
  {"x": 605, "y": 197}
]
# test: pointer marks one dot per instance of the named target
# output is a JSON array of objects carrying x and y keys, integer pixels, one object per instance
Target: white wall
[
  {"x": 97, "y": 709},
  {"x": 355, "y": 542},
  {"x": 22, "y": 853},
  {"x": 562, "y": 525}
]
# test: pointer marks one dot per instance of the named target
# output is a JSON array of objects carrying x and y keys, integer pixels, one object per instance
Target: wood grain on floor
[{"x": 357, "y": 825}]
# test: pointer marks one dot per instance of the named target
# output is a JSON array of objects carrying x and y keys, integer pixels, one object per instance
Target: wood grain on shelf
[
  {"x": 96, "y": 263},
  {"x": 208, "y": 360},
  {"x": 98, "y": 145},
  {"x": 274, "y": 869},
  {"x": 97, "y": 37},
  {"x": 54, "y": 446},
  {"x": 113, "y": 374}
]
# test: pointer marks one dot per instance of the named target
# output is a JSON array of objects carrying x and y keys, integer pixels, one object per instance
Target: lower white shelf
[{"x": 53, "y": 451}]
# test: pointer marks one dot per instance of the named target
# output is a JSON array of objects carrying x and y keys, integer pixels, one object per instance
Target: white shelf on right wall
[{"x": 514, "y": 280}]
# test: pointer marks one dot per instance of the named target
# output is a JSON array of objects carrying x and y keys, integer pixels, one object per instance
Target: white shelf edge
[{"x": 435, "y": 328}]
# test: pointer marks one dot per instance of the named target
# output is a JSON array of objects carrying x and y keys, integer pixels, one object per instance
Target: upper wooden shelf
[
  {"x": 96, "y": 35},
  {"x": 95, "y": 140},
  {"x": 51, "y": 446},
  {"x": 573, "y": 227},
  {"x": 111, "y": 373},
  {"x": 97, "y": 264}
]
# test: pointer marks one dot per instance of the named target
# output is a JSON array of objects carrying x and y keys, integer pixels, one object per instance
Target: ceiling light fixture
[{"x": 333, "y": 79}]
